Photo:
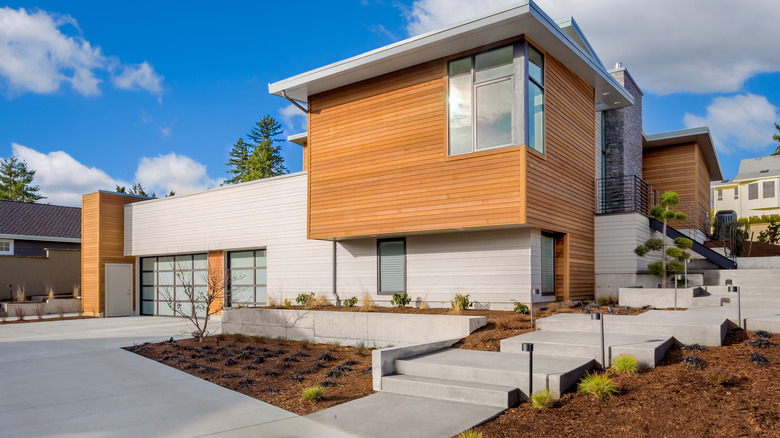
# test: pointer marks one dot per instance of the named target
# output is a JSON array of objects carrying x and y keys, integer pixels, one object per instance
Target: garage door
[{"x": 169, "y": 282}]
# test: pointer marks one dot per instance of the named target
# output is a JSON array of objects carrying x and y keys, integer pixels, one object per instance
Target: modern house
[
  {"x": 483, "y": 158},
  {"x": 753, "y": 191},
  {"x": 39, "y": 247}
]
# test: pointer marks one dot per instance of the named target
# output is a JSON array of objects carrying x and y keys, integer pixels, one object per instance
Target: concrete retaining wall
[
  {"x": 758, "y": 262},
  {"x": 369, "y": 329},
  {"x": 658, "y": 298},
  {"x": 51, "y": 307},
  {"x": 609, "y": 285}
]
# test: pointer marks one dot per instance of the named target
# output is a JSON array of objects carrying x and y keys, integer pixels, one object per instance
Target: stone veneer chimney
[{"x": 623, "y": 130}]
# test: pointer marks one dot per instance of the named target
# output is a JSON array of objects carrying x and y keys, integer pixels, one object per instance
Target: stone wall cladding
[{"x": 623, "y": 132}]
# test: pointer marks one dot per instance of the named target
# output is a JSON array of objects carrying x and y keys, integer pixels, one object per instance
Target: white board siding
[
  {"x": 617, "y": 235},
  {"x": 268, "y": 213},
  {"x": 357, "y": 268}
]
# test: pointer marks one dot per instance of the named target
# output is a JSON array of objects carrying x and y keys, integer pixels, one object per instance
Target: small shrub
[
  {"x": 401, "y": 300},
  {"x": 760, "y": 343},
  {"x": 333, "y": 346},
  {"x": 694, "y": 361},
  {"x": 758, "y": 359},
  {"x": 521, "y": 308},
  {"x": 461, "y": 302},
  {"x": 271, "y": 300},
  {"x": 313, "y": 393},
  {"x": 49, "y": 292},
  {"x": 367, "y": 304},
  {"x": 762, "y": 334},
  {"x": 694, "y": 347},
  {"x": 424, "y": 305},
  {"x": 320, "y": 301},
  {"x": 245, "y": 383},
  {"x": 625, "y": 364},
  {"x": 19, "y": 293},
  {"x": 553, "y": 307},
  {"x": 718, "y": 377},
  {"x": 597, "y": 385},
  {"x": 606, "y": 301},
  {"x": 287, "y": 303},
  {"x": 39, "y": 310},
  {"x": 305, "y": 300},
  {"x": 76, "y": 291},
  {"x": 542, "y": 399},
  {"x": 568, "y": 304},
  {"x": 470, "y": 434},
  {"x": 19, "y": 313},
  {"x": 350, "y": 302}
]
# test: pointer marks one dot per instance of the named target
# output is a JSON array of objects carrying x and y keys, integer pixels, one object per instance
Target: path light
[
  {"x": 599, "y": 317},
  {"x": 686, "y": 272},
  {"x": 739, "y": 304},
  {"x": 529, "y": 348},
  {"x": 534, "y": 292},
  {"x": 676, "y": 279}
]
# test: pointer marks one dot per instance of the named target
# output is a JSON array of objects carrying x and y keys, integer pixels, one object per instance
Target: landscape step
[
  {"x": 699, "y": 328},
  {"x": 766, "y": 288},
  {"x": 648, "y": 349},
  {"x": 468, "y": 392},
  {"x": 556, "y": 373},
  {"x": 730, "y": 299}
]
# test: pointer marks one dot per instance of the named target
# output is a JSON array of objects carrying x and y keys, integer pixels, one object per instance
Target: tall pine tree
[
  {"x": 260, "y": 156},
  {"x": 16, "y": 181}
]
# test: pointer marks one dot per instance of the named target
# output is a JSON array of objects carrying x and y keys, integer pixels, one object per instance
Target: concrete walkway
[{"x": 71, "y": 379}]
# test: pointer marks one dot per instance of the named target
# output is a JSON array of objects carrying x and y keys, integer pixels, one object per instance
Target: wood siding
[
  {"x": 681, "y": 169},
  {"x": 102, "y": 240},
  {"x": 378, "y": 163},
  {"x": 217, "y": 279},
  {"x": 561, "y": 183}
]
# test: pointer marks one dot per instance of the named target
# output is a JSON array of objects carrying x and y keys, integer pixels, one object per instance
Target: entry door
[{"x": 119, "y": 289}]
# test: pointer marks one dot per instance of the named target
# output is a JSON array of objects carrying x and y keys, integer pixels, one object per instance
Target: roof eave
[{"x": 699, "y": 135}]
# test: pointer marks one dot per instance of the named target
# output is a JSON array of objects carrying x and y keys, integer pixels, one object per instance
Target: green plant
[
  {"x": 521, "y": 308},
  {"x": 597, "y": 385},
  {"x": 350, "y": 302},
  {"x": 664, "y": 213},
  {"x": 401, "y": 300},
  {"x": 625, "y": 364},
  {"x": 606, "y": 301},
  {"x": 772, "y": 233},
  {"x": 542, "y": 399},
  {"x": 305, "y": 300},
  {"x": 461, "y": 302},
  {"x": 470, "y": 434},
  {"x": 313, "y": 393},
  {"x": 287, "y": 303},
  {"x": 736, "y": 233}
]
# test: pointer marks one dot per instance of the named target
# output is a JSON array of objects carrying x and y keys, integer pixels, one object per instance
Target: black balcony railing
[{"x": 623, "y": 194}]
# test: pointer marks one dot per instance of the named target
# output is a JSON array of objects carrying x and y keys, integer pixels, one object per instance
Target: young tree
[
  {"x": 16, "y": 181},
  {"x": 772, "y": 233},
  {"x": 776, "y": 138},
  {"x": 138, "y": 189},
  {"x": 260, "y": 156},
  {"x": 671, "y": 258},
  {"x": 196, "y": 300}
]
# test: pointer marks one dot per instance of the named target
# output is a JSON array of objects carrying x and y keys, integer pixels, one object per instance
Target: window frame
[
  {"x": 520, "y": 82},
  {"x": 736, "y": 193},
  {"x": 770, "y": 184},
  {"x": 229, "y": 301},
  {"x": 158, "y": 299},
  {"x": 10, "y": 250},
  {"x": 379, "y": 265},
  {"x": 720, "y": 194},
  {"x": 750, "y": 190}
]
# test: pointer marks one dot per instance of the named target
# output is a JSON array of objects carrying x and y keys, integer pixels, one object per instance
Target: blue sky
[{"x": 94, "y": 94}]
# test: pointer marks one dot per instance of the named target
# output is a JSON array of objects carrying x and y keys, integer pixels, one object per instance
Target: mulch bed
[
  {"x": 729, "y": 396},
  {"x": 272, "y": 370}
]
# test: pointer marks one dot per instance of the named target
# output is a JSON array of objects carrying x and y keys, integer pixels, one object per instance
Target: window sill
[{"x": 485, "y": 153}]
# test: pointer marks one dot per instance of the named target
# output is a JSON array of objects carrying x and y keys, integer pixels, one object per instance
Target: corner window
[
  {"x": 736, "y": 192},
  {"x": 248, "y": 277},
  {"x": 720, "y": 194},
  {"x": 6, "y": 247},
  {"x": 753, "y": 191},
  {"x": 769, "y": 189},
  {"x": 391, "y": 265},
  {"x": 485, "y": 107}
]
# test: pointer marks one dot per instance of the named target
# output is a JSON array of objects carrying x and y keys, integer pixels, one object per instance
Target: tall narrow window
[
  {"x": 752, "y": 191},
  {"x": 769, "y": 189},
  {"x": 720, "y": 194},
  {"x": 548, "y": 264},
  {"x": 392, "y": 265},
  {"x": 736, "y": 192},
  {"x": 535, "y": 99}
]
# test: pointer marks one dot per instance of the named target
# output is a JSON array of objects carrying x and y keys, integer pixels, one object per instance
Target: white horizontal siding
[
  {"x": 267, "y": 214},
  {"x": 617, "y": 235}
]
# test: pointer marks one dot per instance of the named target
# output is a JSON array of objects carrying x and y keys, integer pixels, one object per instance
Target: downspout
[{"x": 335, "y": 294}]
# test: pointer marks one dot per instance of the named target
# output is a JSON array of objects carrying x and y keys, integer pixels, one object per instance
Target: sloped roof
[
  {"x": 761, "y": 167},
  {"x": 39, "y": 220},
  {"x": 699, "y": 135}
]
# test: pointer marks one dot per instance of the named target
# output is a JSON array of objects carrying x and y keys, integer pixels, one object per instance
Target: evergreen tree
[
  {"x": 136, "y": 189},
  {"x": 672, "y": 259},
  {"x": 16, "y": 181},
  {"x": 259, "y": 157},
  {"x": 776, "y": 138}
]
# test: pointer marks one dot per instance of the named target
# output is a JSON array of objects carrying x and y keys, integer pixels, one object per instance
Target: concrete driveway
[{"x": 72, "y": 379}]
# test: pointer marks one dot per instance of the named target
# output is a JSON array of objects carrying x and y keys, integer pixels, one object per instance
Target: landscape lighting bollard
[
  {"x": 739, "y": 304},
  {"x": 534, "y": 292},
  {"x": 599, "y": 317},
  {"x": 686, "y": 272},
  {"x": 529, "y": 347}
]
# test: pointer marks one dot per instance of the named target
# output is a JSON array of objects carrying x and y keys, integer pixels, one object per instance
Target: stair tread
[
  {"x": 498, "y": 361},
  {"x": 448, "y": 382},
  {"x": 589, "y": 338}
]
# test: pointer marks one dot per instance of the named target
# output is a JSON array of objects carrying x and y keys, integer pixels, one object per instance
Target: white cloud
[
  {"x": 63, "y": 180},
  {"x": 165, "y": 131},
  {"x": 37, "y": 57},
  {"x": 699, "y": 46},
  {"x": 743, "y": 122},
  {"x": 173, "y": 172},
  {"x": 294, "y": 118},
  {"x": 140, "y": 76}
]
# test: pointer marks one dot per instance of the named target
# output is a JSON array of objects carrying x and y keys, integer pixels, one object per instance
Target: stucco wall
[{"x": 60, "y": 268}]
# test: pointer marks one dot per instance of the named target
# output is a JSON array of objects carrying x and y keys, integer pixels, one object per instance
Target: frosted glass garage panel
[
  {"x": 243, "y": 259},
  {"x": 200, "y": 261}
]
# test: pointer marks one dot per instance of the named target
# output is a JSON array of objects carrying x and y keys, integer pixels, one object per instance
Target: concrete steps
[
  {"x": 467, "y": 392},
  {"x": 765, "y": 289},
  {"x": 730, "y": 300},
  {"x": 454, "y": 370},
  {"x": 700, "y": 329},
  {"x": 648, "y": 349}
]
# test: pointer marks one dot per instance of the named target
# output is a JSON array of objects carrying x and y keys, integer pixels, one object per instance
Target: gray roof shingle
[
  {"x": 761, "y": 167},
  {"x": 26, "y": 219}
]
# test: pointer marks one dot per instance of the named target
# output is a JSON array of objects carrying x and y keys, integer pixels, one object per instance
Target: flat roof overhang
[
  {"x": 693, "y": 135},
  {"x": 524, "y": 19}
]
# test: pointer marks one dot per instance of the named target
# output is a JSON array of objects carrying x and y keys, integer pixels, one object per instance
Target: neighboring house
[
  {"x": 753, "y": 191},
  {"x": 469, "y": 160},
  {"x": 39, "y": 246}
]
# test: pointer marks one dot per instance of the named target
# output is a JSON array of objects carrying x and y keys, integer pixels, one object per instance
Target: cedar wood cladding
[
  {"x": 102, "y": 241},
  {"x": 377, "y": 164},
  {"x": 683, "y": 168}
]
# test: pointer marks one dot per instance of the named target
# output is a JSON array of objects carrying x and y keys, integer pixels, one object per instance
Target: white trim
[
  {"x": 41, "y": 238},
  {"x": 10, "y": 247}
]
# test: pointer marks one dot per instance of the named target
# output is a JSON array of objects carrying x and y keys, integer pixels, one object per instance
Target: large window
[
  {"x": 753, "y": 191},
  {"x": 392, "y": 265},
  {"x": 6, "y": 247},
  {"x": 769, "y": 189},
  {"x": 486, "y": 109},
  {"x": 171, "y": 282},
  {"x": 248, "y": 278}
]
